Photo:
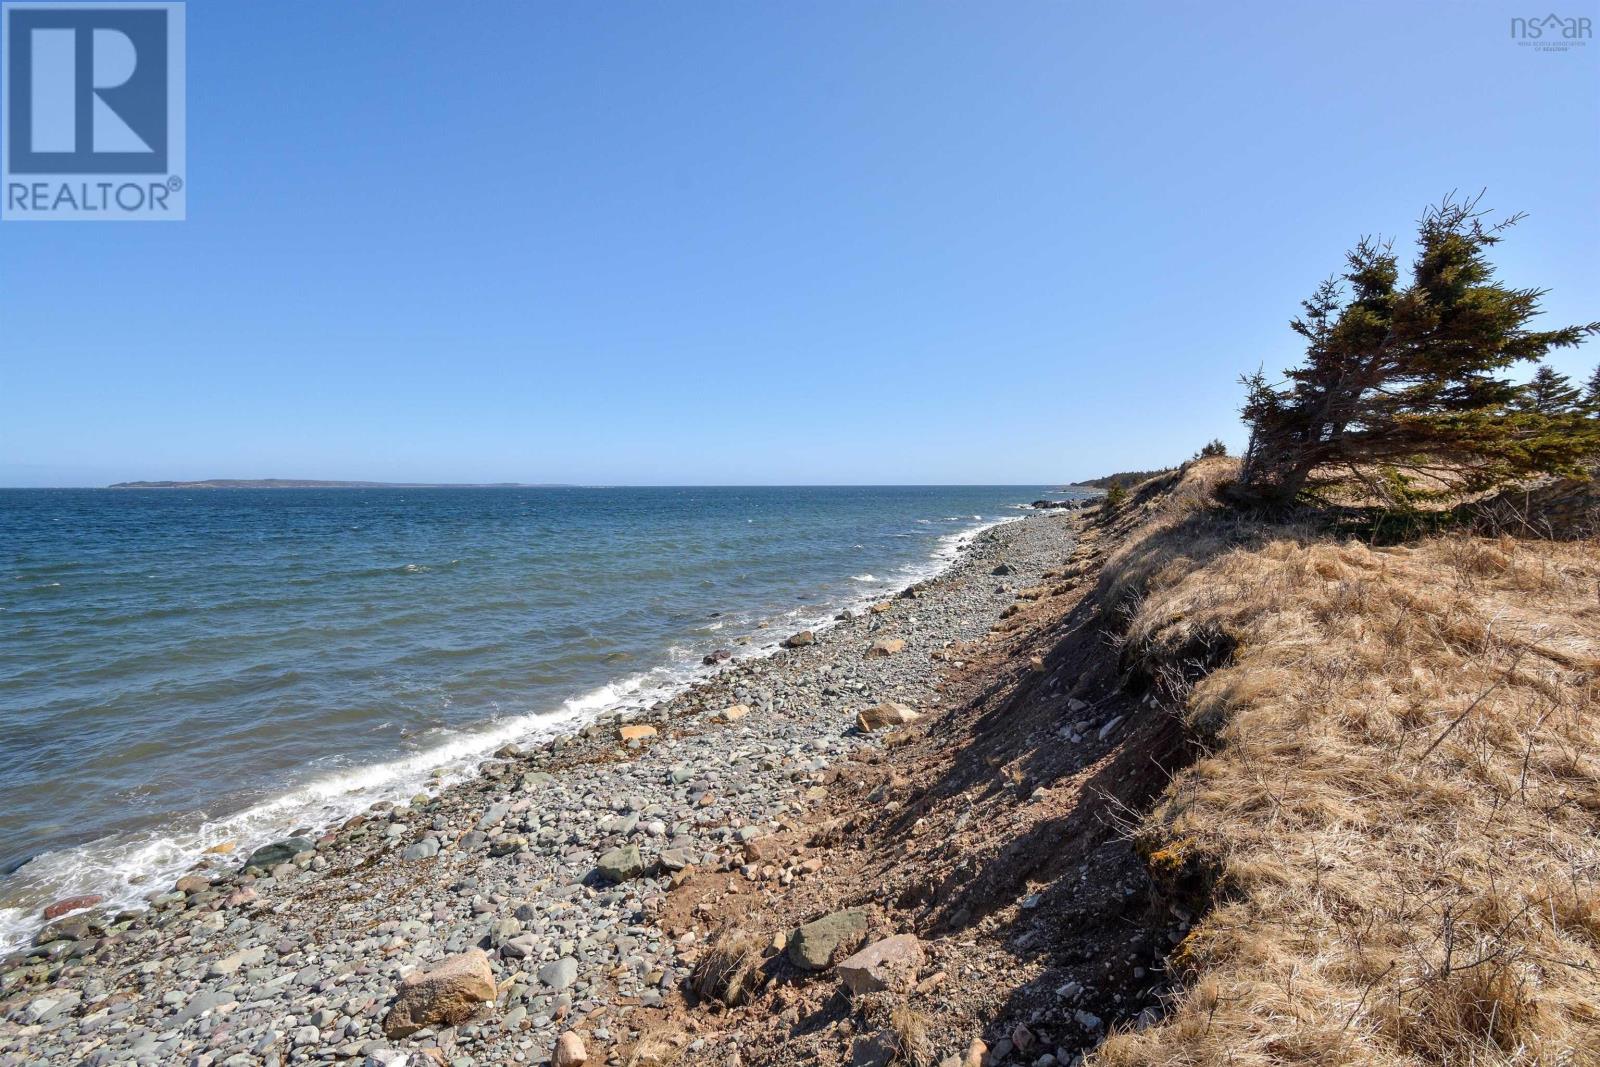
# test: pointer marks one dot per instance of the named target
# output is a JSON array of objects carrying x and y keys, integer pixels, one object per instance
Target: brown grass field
[{"x": 1395, "y": 818}]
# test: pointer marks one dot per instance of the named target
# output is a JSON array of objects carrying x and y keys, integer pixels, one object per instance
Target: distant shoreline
[{"x": 311, "y": 483}]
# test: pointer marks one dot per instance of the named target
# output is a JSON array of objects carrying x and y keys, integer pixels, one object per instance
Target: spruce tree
[
  {"x": 1407, "y": 379},
  {"x": 1548, "y": 393}
]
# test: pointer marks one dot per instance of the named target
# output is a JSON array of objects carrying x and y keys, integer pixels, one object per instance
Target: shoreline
[
  {"x": 123, "y": 870},
  {"x": 532, "y": 825}
]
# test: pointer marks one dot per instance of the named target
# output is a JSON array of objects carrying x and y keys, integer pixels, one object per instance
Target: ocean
[{"x": 180, "y": 668}]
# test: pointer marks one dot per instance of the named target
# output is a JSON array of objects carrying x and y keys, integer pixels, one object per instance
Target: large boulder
[
  {"x": 800, "y": 640},
  {"x": 269, "y": 856},
  {"x": 814, "y": 946},
  {"x": 888, "y": 647},
  {"x": 889, "y": 713},
  {"x": 891, "y": 964},
  {"x": 447, "y": 995}
]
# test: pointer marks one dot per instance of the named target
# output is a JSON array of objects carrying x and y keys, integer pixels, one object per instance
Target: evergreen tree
[
  {"x": 1548, "y": 393},
  {"x": 1409, "y": 377}
]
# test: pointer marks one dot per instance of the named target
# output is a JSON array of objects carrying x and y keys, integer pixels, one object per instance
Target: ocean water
[{"x": 180, "y": 668}]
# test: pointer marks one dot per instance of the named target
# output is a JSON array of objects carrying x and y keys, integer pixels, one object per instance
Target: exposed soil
[{"x": 997, "y": 832}]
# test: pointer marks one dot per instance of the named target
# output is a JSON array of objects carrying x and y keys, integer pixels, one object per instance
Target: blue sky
[{"x": 765, "y": 242}]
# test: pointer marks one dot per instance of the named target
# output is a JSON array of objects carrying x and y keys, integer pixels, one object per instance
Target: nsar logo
[
  {"x": 1552, "y": 33},
  {"x": 93, "y": 111}
]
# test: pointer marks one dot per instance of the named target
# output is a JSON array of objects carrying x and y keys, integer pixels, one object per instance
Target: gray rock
[
  {"x": 814, "y": 946},
  {"x": 269, "y": 856},
  {"x": 559, "y": 974},
  {"x": 492, "y": 817},
  {"x": 425, "y": 849},
  {"x": 675, "y": 859}
]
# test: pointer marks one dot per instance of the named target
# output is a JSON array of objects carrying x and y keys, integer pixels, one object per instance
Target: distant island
[{"x": 314, "y": 483}]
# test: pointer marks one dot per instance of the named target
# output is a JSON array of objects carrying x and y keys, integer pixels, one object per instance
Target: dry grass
[
  {"x": 730, "y": 971},
  {"x": 1398, "y": 822},
  {"x": 911, "y": 1043}
]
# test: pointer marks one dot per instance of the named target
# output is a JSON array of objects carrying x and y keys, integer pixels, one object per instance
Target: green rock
[
  {"x": 269, "y": 856},
  {"x": 815, "y": 945},
  {"x": 621, "y": 864}
]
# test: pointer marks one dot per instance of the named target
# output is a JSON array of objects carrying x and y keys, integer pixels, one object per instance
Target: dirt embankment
[{"x": 1217, "y": 791}]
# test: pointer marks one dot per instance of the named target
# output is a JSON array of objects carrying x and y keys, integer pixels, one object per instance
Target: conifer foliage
[{"x": 1406, "y": 382}]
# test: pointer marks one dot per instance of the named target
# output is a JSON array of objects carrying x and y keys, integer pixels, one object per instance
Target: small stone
[
  {"x": 813, "y": 946},
  {"x": 78, "y": 903},
  {"x": 240, "y": 897},
  {"x": 570, "y": 1051},
  {"x": 447, "y": 995},
  {"x": 769, "y": 849},
  {"x": 559, "y": 974},
  {"x": 890, "y": 964},
  {"x": 621, "y": 864},
  {"x": 425, "y": 849},
  {"x": 889, "y": 713},
  {"x": 520, "y": 947}
]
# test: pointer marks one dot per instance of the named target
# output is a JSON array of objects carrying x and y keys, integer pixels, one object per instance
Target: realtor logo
[{"x": 93, "y": 112}]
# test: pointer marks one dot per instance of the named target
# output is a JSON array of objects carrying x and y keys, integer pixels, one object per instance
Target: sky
[{"x": 764, "y": 242}]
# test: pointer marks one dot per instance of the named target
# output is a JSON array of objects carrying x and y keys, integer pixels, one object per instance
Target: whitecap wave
[{"x": 127, "y": 868}]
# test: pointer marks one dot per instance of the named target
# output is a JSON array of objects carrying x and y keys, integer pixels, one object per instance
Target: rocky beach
[{"x": 521, "y": 916}]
